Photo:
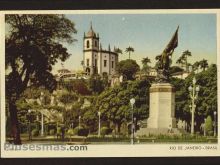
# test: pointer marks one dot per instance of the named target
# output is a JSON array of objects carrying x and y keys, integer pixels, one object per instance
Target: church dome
[{"x": 91, "y": 33}]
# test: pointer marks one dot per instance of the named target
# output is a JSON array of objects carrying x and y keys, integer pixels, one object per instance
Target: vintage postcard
[{"x": 109, "y": 83}]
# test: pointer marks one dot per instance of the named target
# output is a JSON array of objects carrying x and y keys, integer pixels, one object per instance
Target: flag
[{"x": 173, "y": 42}]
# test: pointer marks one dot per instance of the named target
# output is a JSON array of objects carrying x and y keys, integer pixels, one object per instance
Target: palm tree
[
  {"x": 196, "y": 66},
  {"x": 145, "y": 62},
  {"x": 118, "y": 50},
  {"x": 180, "y": 61},
  {"x": 203, "y": 64},
  {"x": 186, "y": 54},
  {"x": 129, "y": 50},
  {"x": 189, "y": 65}
]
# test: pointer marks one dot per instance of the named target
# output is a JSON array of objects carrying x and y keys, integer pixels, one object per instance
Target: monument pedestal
[
  {"x": 162, "y": 106},
  {"x": 162, "y": 112}
]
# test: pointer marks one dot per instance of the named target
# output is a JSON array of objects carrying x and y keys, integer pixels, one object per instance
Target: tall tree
[
  {"x": 185, "y": 55},
  {"x": 203, "y": 64},
  {"x": 118, "y": 50},
  {"x": 180, "y": 61},
  {"x": 145, "y": 62},
  {"x": 129, "y": 50},
  {"x": 206, "y": 102},
  {"x": 128, "y": 68},
  {"x": 196, "y": 66},
  {"x": 33, "y": 46},
  {"x": 114, "y": 103}
]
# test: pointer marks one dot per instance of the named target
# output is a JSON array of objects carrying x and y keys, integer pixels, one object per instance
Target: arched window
[
  {"x": 96, "y": 44},
  {"x": 87, "y": 44}
]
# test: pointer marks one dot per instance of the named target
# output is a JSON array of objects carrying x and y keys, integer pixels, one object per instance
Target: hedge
[
  {"x": 35, "y": 132},
  {"x": 81, "y": 131}
]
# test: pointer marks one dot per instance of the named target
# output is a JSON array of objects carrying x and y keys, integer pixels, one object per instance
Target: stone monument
[
  {"x": 162, "y": 106},
  {"x": 162, "y": 96},
  {"x": 162, "y": 93}
]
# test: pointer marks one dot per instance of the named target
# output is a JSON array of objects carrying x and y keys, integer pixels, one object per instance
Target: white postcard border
[{"x": 143, "y": 150}]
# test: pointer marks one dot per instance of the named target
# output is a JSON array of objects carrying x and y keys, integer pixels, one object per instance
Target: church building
[{"x": 97, "y": 60}]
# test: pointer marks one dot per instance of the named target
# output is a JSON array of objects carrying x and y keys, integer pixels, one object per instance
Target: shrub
[
  {"x": 52, "y": 131},
  {"x": 70, "y": 132},
  {"x": 59, "y": 131},
  {"x": 81, "y": 131},
  {"x": 35, "y": 132},
  {"x": 105, "y": 131},
  {"x": 210, "y": 133},
  {"x": 75, "y": 131},
  {"x": 208, "y": 124}
]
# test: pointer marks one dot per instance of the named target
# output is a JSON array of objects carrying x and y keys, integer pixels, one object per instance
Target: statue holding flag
[
  {"x": 162, "y": 95},
  {"x": 164, "y": 60}
]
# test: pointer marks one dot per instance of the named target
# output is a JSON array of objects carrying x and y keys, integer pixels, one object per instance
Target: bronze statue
[{"x": 164, "y": 60}]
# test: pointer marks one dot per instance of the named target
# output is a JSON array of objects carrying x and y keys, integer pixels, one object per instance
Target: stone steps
[{"x": 159, "y": 131}]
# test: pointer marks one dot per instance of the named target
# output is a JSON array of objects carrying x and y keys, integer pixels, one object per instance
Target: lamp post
[
  {"x": 29, "y": 124},
  {"x": 99, "y": 131},
  {"x": 193, "y": 95},
  {"x": 215, "y": 124},
  {"x": 204, "y": 127},
  {"x": 132, "y": 101},
  {"x": 134, "y": 123},
  {"x": 42, "y": 98},
  {"x": 79, "y": 121}
]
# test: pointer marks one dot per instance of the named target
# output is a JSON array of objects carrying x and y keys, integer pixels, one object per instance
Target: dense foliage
[
  {"x": 209, "y": 125},
  {"x": 33, "y": 46},
  {"x": 114, "y": 103},
  {"x": 206, "y": 102},
  {"x": 128, "y": 68}
]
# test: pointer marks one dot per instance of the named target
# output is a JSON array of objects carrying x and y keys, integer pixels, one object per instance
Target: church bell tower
[{"x": 90, "y": 51}]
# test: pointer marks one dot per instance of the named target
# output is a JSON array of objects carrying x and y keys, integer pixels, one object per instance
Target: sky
[{"x": 148, "y": 34}]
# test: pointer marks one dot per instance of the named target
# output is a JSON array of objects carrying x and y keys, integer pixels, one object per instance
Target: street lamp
[
  {"x": 42, "y": 98},
  {"x": 204, "y": 127},
  {"x": 215, "y": 123},
  {"x": 194, "y": 90},
  {"x": 132, "y": 101},
  {"x": 99, "y": 131},
  {"x": 79, "y": 121},
  {"x": 29, "y": 125},
  {"x": 134, "y": 123}
]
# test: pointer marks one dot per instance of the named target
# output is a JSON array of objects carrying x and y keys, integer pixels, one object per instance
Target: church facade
[{"x": 97, "y": 60}]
